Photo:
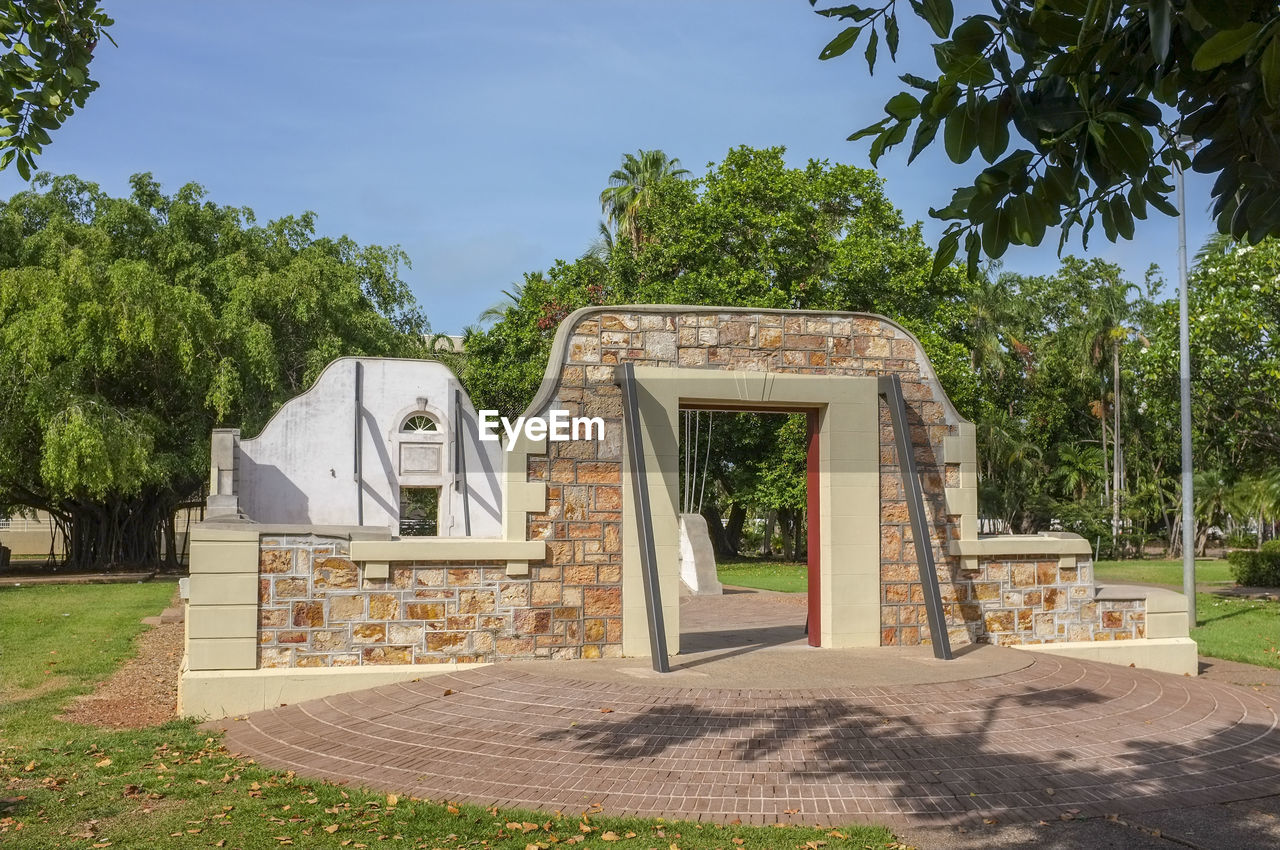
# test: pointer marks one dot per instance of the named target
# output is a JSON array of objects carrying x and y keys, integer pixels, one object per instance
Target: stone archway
[{"x": 590, "y": 559}]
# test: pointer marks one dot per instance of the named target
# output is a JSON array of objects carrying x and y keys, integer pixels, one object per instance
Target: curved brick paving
[{"x": 1054, "y": 736}]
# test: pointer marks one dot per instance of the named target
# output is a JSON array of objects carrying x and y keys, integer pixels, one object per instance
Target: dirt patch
[{"x": 143, "y": 692}]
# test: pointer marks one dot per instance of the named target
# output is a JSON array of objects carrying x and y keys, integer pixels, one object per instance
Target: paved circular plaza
[{"x": 1039, "y": 738}]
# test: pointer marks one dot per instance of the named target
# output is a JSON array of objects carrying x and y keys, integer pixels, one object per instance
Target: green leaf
[
  {"x": 891, "y": 35},
  {"x": 6, "y": 158},
  {"x": 870, "y": 130},
  {"x": 23, "y": 168},
  {"x": 995, "y": 234},
  {"x": 1269, "y": 70},
  {"x": 1225, "y": 47},
  {"x": 903, "y": 106},
  {"x": 853, "y": 13},
  {"x": 925, "y": 133},
  {"x": 841, "y": 43},
  {"x": 937, "y": 13},
  {"x": 1160, "y": 16},
  {"x": 1121, "y": 216},
  {"x": 947, "y": 248},
  {"x": 960, "y": 135},
  {"x": 870, "y": 53},
  {"x": 1159, "y": 201},
  {"x": 993, "y": 130}
]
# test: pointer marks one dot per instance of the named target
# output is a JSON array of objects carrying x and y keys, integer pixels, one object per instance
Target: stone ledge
[
  {"x": 1177, "y": 655},
  {"x": 245, "y": 530},
  {"x": 448, "y": 549},
  {"x": 215, "y": 694},
  {"x": 1018, "y": 545},
  {"x": 1160, "y": 600}
]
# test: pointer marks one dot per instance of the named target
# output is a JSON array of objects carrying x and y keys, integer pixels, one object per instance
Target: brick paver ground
[{"x": 1058, "y": 736}]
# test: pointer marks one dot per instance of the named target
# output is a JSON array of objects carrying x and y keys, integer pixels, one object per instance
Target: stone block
[
  {"x": 329, "y": 640},
  {"x": 387, "y": 655},
  {"x": 335, "y": 573},
  {"x": 384, "y": 606},
  {"x": 308, "y": 615},
  {"x": 602, "y": 601},
  {"x": 999, "y": 621},
  {"x": 425, "y": 611},
  {"x": 1022, "y": 575},
  {"x": 443, "y": 641},
  {"x": 275, "y": 560},
  {"x": 369, "y": 633},
  {"x": 290, "y": 588},
  {"x": 272, "y": 657},
  {"x": 431, "y": 577},
  {"x": 476, "y": 602},
  {"x": 273, "y": 618}
]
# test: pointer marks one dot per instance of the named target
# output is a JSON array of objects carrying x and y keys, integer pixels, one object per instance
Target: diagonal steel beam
[
  {"x": 890, "y": 388},
  {"x": 625, "y": 377}
]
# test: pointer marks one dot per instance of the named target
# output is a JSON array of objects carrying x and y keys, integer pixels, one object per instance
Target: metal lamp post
[{"x": 1184, "y": 368}]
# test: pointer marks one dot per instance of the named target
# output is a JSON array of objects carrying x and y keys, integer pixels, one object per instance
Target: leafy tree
[
  {"x": 631, "y": 189},
  {"x": 44, "y": 71},
  {"x": 1075, "y": 106},
  {"x": 131, "y": 327},
  {"x": 1105, "y": 329},
  {"x": 751, "y": 232}
]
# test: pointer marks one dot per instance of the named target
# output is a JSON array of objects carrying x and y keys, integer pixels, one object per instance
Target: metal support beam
[
  {"x": 625, "y": 377},
  {"x": 891, "y": 391},
  {"x": 460, "y": 461}
]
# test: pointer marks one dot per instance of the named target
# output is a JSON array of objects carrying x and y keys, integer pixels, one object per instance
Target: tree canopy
[
  {"x": 44, "y": 71},
  {"x": 1076, "y": 107},
  {"x": 130, "y": 327},
  {"x": 750, "y": 232}
]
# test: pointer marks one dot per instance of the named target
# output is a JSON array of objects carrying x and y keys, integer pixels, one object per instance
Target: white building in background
[{"x": 375, "y": 442}]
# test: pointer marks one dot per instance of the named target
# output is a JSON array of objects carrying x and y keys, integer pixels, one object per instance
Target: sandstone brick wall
[
  {"x": 582, "y": 522},
  {"x": 1035, "y": 601},
  {"x": 317, "y": 610}
]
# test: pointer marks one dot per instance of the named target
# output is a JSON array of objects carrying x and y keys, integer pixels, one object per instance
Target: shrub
[
  {"x": 1257, "y": 567},
  {"x": 1239, "y": 539}
]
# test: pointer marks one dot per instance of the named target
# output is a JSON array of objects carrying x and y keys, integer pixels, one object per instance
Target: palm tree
[
  {"x": 631, "y": 189},
  {"x": 990, "y": 317},
  {"x": 1078, "y": 468},
  {"x": 510, "y": 300},
  {"x": 1105, "y": 331}
]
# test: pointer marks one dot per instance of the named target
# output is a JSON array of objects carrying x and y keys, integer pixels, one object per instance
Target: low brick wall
[
  {"x": 1030, "y": 601},
  {"x": 316, "y": 609}
]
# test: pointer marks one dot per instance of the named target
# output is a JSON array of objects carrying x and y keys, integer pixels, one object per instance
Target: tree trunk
[
  {"x": 121, "y": 533},
  {"x": 788, "y": 534},
  {"x": 715, "y": 529},
  {"x": 733, "y": 532},
  {"x": 766, "y": 544}
]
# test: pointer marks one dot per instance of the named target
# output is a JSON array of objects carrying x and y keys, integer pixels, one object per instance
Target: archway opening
[{"x": 748, "y": 497}]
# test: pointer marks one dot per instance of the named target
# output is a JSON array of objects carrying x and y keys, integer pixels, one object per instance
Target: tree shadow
[{"x": 976, "y": 759}]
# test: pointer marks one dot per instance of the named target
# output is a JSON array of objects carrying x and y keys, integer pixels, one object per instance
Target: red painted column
[{"x": 813, "y": 516}]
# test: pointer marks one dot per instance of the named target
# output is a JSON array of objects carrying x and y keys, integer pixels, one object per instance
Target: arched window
[{"x": 419, "y": 423}]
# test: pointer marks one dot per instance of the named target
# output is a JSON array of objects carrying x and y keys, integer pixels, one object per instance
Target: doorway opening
[{"x": 748, "y": 488}]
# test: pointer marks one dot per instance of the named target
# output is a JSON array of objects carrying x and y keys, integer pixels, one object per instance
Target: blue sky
[{"x": 478, "y": 136}]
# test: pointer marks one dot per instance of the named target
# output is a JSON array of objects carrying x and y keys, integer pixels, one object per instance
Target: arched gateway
[{"x": 538, "y": 548}]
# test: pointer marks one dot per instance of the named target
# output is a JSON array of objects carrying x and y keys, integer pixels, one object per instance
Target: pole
[
  {"x": 1184, "y": 369},
  {"x": 358, "y": 441}
]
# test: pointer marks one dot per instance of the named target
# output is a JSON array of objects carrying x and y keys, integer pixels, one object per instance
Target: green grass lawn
[
  {"x": 764, "y": 574},
  {"x": 1208, "y": 571},
  {"x": 174, "y": 785},
  {"x": 1246, "y": 630}
]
